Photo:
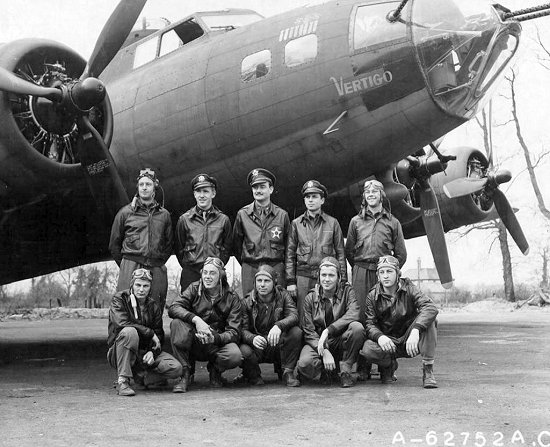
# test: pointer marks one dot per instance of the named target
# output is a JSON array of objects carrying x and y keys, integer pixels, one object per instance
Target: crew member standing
[
  {"x": 260, "y": 231},
  {"x": 201, "y": 232},
  {"x": 142, "y": 237},
  {"x": 313, "y": 236},
  {"x": 374, "y": 232}
]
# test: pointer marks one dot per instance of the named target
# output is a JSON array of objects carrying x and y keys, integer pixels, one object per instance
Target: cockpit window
[
  {"x": 372, "y": 27},
  {"x": 170, "y": 41},
  {"x": 145, "y": 52},
  {"x": 301, "y": 50},
  {"x": 256, "y": 65},
  {"x": 229, "y": 21}
]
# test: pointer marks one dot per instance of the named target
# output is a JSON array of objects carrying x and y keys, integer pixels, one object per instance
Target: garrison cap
[
  {"x": 202, "y": 181},
  {"x": 314, "y": 187},
  {"x": 260, "y": 175}
]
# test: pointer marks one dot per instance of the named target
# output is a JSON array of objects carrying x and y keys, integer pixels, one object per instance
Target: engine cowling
[
  {"x": 39, "y": 152},
  {"x": 467, "y": 210}
]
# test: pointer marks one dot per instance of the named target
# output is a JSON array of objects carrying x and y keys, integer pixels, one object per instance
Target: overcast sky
[{"x": 78, "y": 23}]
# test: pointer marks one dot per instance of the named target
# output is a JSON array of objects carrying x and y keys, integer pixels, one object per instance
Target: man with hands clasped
[
  {"x": 400, "y": 322},
  {"x": 332, "y": 332},
  {"x": 270, "y": 330},
  {"x": 135, "y": 337},
  {"x": 206, "y": 326}
]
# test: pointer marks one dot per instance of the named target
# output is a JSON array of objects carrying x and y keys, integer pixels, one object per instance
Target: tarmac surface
[{"x": 493, "y": 372}]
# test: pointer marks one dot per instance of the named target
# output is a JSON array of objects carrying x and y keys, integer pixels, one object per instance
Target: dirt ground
[{"x": 493, "y": 370}]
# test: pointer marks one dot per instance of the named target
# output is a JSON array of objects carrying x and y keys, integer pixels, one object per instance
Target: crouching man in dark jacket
[
  {"x": 206, "y": 325},
  {"x": 136, "y": 335},
  {"x": 400, "y": 322},
  {"x": 270, "y": 329},
  {"x": 332, "y": 331}
]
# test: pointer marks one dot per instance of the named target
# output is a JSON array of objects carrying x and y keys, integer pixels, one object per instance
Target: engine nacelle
[
  {"x": 41, "y": 155},
  {"x": 466, "y": 210}
]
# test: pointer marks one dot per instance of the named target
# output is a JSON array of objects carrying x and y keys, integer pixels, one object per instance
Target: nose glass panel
[{"x": 463, "y": 47}]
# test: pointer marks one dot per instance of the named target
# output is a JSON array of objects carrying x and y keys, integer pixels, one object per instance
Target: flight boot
[
  {"x": 346, "y": 380},
  {"x": 123, "y": 387},
  {"x": 290, "y": 378},
  {"x": 182, "y": 385},
  {"x": 428, "y": 378},
  {"x": 216, "y": 379}
]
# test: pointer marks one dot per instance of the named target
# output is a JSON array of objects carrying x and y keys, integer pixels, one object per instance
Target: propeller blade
[
  {"x": 509, "y": 220},
  {"x": 490, "y": 134},
  {"x": 100, "y": 171},
  {"x": 113, "y": 35},
  {"x": 431, "y": 217},
  {"x": 464, "y": 186},
  {"x": 10, "y": 82}
]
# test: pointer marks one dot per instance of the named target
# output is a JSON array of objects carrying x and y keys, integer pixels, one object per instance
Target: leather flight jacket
[
  {"x": 285, "y": 314},
  {"x": 223, "y": 315},
  {"x": 392, "y": 316},
  {"x": 148, "y": 323},
  {"x": 255, "y": 241},
  {"x": 197, "y": 238},
  {"x": 370, "y": 237},
  {"x": 308, "y": 244},
  {"x": 142, "y": 234},
  {"x": 345, "y": 310}
]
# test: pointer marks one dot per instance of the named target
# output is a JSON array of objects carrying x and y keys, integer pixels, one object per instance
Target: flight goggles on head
[
  {"x": 388, "y": 261},
  {"x": 142, "y": 274},
  {"x": 217, "y": 262},
  {"x": 149, "y": 173},
  {"x": 374, "y": 184}
]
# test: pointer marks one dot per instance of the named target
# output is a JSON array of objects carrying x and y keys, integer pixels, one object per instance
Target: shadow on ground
[{"x": 55, "y": 390}]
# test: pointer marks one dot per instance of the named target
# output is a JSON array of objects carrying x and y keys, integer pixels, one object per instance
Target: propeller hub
[
  {"x": 503, "y": 176},
  {"x": 52, "y": 117},
  {"x": 87, "y": 93}
]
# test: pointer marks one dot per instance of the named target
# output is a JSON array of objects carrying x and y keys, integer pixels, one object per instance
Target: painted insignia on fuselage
[{"x": 302, "y": 26}]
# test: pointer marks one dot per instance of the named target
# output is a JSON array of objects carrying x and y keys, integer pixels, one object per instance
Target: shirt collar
[{"x": 307, "y": 216}]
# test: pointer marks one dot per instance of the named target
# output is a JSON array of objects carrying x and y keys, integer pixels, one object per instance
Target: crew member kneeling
[
  {"x": 270, "y": 329},
  {"x": 400, "y": 322},
  {"x": 136, "y": 335},
  {"x": 331, "y": 327},
  {"x": 206, "y": 325}
]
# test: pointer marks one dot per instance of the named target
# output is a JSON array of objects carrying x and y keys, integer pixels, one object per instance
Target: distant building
[{"x": 427, "y": 280}]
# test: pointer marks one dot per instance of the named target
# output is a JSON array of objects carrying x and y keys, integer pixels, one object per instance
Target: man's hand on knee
[
  {"x": 274, "y": 336},
  {"x": 328, "y": 361},
  {"x": 148, "y": 358},
  {"x": 412, "y": 343},
  {"x": 386, "y": 344}
]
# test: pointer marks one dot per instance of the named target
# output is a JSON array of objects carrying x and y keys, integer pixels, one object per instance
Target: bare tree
[
  {"x": 66, "y": 279},
  {"x": 507, "y": 270},
  {"x": 531, "y": 164}
]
